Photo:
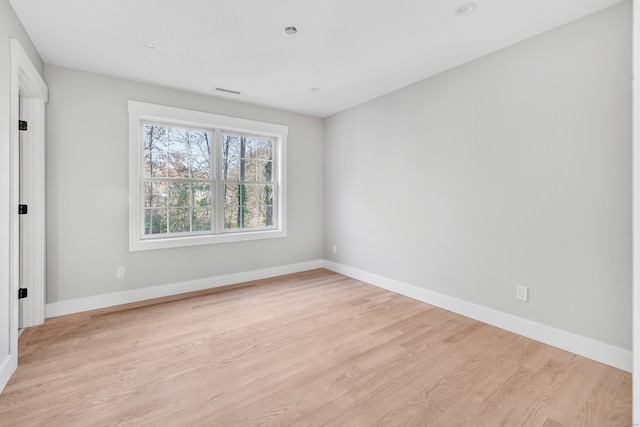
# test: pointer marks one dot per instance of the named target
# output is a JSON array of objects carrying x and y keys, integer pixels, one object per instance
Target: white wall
[
  {"x": 88, "y": 190},
  {"x": 10, "y": 27},
  {"x": 514, "y": 169}
]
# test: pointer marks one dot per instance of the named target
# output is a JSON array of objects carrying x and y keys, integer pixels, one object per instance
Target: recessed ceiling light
[
  {"x": 316, "y": 90},
  {"x": 465, "y": 8},
  {"x": 291, "y": 30},
  {"x": 149, "y": 46}
]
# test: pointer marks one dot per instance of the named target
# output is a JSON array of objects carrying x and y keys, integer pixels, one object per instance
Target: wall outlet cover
[{"x": 522, "y": 293}]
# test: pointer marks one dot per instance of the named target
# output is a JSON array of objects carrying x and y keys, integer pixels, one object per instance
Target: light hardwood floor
[{"x": 314, "y": 348}]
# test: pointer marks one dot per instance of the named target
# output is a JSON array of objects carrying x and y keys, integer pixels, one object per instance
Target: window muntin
[{"x": 199, "y": 178}]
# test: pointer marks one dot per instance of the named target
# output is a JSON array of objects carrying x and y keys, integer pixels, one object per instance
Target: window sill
[{"x": 136, "y": 245}]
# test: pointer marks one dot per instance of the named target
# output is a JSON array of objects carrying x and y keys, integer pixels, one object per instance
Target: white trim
[
  {"x": 142, "y": 111},
  {"x": 605, "y": 353},
  {"x": 108, "y": 300},
  {"x": 200, "y": 119},
  {"x": 6, "y": 370},
  {"x": 635, "y": 121},
  {"x": 30, "y": 82},
  {"x": 25, "y": 81}
]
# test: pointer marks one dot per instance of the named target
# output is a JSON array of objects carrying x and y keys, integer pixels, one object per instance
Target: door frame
[
  {"x": 635, "y": 120},
  {"x": 635, "y": 123},
  {"x": 27, "y": 83}
]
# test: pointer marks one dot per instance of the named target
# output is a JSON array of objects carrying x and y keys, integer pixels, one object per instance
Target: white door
[
  {"x": 25, "y": 221},
  {"x": 21, "y": 222}
]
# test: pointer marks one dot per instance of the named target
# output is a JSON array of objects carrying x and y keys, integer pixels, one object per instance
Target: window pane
[
  {"x": 231, "y": 195},
  {"x": 200, "y": 167},
  {"x": 201, "y": 219},
  {"x": 200, "y": 143},
  {"x": 259, "y": 216},
  {"x": 230, "y": 146},
  {"x": 235, "y": 211},
  {"x": 179, "y": 220},
  {"x": 242, "y": 194},
  {"x": 202, "y": 195},
  {"x": 250, "y": 216},
  {"x": 264, "y": 170},
  {"x": 250, "y": 170},
  {"x": 189, "y": 207},
  {"x": 179, "y": 194},
  {"x": 147, "y": 135},
  {"x": 176, "y": 152},
  {"x": 177, "y": 165},
  {"x": 158, "y": 164},
  {"x": 147, "y": 164},
  {"x": 251, "y": 195},
  {"x": 265, "y": 149},
  {"x": 232, "y": 216},
  {"x": 266, "y": 194},
  {"x": 250, "y": 148},
  {"x": 200, "y": 146},
  {"x": 264, "y": 216},
  {"x": 231, "y": 169},
  {"x": 155, "y": 148},
  {"x": 178, "y": 140},
  {"x": 268, "y": 221},
  {"x": 248, "y": 205},
  {"x": 155, "y": 194},
  {"x": 155, "y": 221}
]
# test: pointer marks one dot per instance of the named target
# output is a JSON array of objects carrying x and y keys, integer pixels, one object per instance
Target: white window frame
[{"x": 140, "y": 112}]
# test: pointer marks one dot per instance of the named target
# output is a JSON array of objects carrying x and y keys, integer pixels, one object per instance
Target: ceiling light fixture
[
  {"x": 316, "y": 90},
  {"x": 291, "y": 30},
  {"x": 465, "y": 9},
  {"x": 149, "y": 46}
]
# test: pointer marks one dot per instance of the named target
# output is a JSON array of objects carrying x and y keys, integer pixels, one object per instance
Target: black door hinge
[
  {"x": 22, "y": 293},
  {"x": 22, "y": 209},
  {"x": 22, "y": 125}
]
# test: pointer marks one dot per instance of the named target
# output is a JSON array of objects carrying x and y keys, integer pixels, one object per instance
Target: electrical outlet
[
  {"x": 335, "y": 249},
  {"x": 522, "y": 293},
  {"x": 120, "y": 273}
]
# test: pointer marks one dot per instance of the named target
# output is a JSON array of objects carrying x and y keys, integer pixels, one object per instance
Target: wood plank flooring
[{"x": 310, "y": 349}]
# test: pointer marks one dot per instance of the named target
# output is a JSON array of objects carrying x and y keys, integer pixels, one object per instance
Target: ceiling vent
[{"x": 233, "y": 92}]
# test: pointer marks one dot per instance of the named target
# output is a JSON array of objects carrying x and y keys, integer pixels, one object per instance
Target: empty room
[{"x": 355, "y": 213}]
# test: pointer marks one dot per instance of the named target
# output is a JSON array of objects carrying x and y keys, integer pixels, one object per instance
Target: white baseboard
[
  {"x": 108, "y": 300},
  {"x": 605, "y": 353},
  {"x": 6, "y": 370}
]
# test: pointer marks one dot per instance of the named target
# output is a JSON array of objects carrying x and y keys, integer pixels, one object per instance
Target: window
[{"x": 199, "y": 178}]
